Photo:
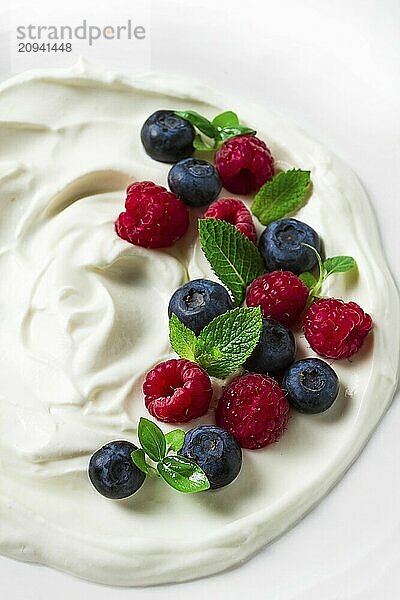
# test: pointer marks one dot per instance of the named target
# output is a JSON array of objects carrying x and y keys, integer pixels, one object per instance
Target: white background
[{"x": 333, "y": 68}]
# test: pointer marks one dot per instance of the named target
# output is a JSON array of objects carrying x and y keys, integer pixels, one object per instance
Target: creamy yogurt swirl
[{"x": 84, "y": 318}]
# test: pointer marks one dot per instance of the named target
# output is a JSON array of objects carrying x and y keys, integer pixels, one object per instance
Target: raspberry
[
  {"x": 336, "y": 329},
  {"x": 244, "y": 164},
  {"x": 234, "y": 212},
  {"x": 281, "y": 295},
  {"x": 154, "y": 217},
  {"x": 254, "y": 409},
  {"x": 176, "y": 391}
]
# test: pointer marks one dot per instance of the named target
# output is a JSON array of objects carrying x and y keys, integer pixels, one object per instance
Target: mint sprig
[
  {"x": 224, "y": 344},
  {"x": 326, "y": 268},
  {"x": 223, "y": 127},
  {"x": 234, "y": 259},
  {"x": 280, "y": 196},
  {"x": 179, "y": 472}
]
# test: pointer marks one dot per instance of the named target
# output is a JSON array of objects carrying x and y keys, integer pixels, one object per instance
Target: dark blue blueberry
[
  {"x": 311, "y": 385},
  {"x": 198, "y": 302},
  {"x": 167, "y": 137},
  {"x": 195, "y": 181},
  {"x": 274, "y": 352},
  {"x": 282, "y": 249},
  {"x": 216, "y": 452},
  {"x": 112, "y": 471}
]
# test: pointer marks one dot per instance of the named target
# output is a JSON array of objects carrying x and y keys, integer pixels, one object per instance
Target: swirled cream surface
[{"x": 84, "y": 317}]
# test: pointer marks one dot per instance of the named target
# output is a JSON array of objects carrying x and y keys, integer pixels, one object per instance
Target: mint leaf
[
  {"x": 202, "y": 124},
  {"x": 339, "y": 264},
  {"x": 183, "y": 474},
  {"x": 226, "y": 342},
  {"x": 183, "y": 339},
  {"x": 233, "y": 258},
  {"x": 226, "y": 119},
  {"x": 229, "y": 132},
  {"x": 175, "y": 439},
  {"x": 282, "y": 195},
  {"x": 203, "y": 146},
  {"x": 139, "y": 460},
  {"x": 309, "y": 279},
  {"x": 335, "y": 264},
  {"x": 223, "y": 127},
  {"x": 152, "y": 439}
]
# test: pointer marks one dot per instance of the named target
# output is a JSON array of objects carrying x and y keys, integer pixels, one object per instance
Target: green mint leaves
[
  {"x": 223, "y": 127},
  {"x": 139, "y": 458},
  {"x": 309, "y": 279},
  {"x": 339, "y": 264},
  {"x": 179, "y": 472},
  {"x": 174, "y": 439},
  {"x": 182, "y": 339},
  {"x": 152, "y": 440},
  {"x": 282, "y": 195},
  {"x": 334, "y": 264},
  {"x": 183, "y": 474},
  {"x": 224, "y": 344},
  {"x": 234, "y": 259},
  {"x": 201, "y": 123}
]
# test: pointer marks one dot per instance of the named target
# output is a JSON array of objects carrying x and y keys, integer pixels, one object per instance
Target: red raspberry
[
  {"x": 254, "y": 409},
  {"x": 234, "y": 212},
  {"x": 334, "y": 328},
  {"x": 281, "y": 295},
  {"x": 176, "y": 391},
  {"x": 244, "y": 164},
  {"x": 154, "y": 217}
]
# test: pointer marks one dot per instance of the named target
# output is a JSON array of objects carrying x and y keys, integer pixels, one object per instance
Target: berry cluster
[{"x": 253, "y": 409}]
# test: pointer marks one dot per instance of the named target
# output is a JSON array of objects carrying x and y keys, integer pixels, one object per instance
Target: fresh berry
[
  {"x": 254, "y": 409},
  {"x": 311, "y": 385},
  {"x": 233, "y": 211},
  {"x": 167, "y": 137},
  {"x": 336, "y": 329},
  {"x": 244, "y": 164},
  {"x": 216, "y": 452},
  {"x": 195, "y": 181},
  {"x": 281, "y": 245},
  {"x": 154, "y": 217},
  {"x": 274, "y": 352},
  {"x": 176, "y": 391},
  {"x": 112, "y": 471},
  {"x": 196, "y": 303},
  {"x": 281, "y": 295}
]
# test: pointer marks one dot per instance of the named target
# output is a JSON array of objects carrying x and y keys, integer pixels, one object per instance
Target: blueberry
[
  {"x": 112, "y": 471},
  {"x": 216, "y": 451},
  {"x": 195, "y": 181},
  {"x": 311, "y": 385},
  {"x": 167, "y": 137},
  {"x": 274, "y": 352},
  {"x": 281, "y": 246},
  {"x": 198, "y": 302}
]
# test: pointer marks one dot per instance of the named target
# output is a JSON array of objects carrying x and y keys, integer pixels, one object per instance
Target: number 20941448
[{"x": 44, "y": 47}]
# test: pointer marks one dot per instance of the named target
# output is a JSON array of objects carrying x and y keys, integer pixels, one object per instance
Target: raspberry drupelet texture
[
  {"x": 176, "y": 391},
  {"x": 254, "y": 409},
  {"x": 280, "y": 294},
  {"x": 244, "y": 164},
  {"x": 154, "y": 217},
  {"x": 233, "y": 211},
  {"x": 336, "y": 329}
]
